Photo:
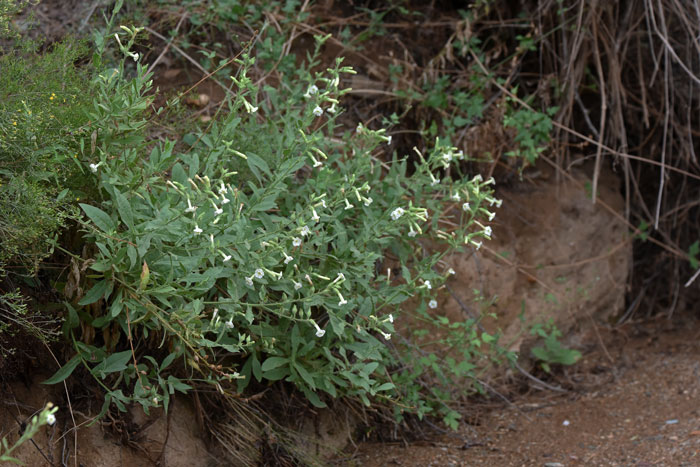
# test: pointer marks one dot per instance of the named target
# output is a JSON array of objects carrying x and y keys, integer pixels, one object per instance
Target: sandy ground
[{"x": 636, "y": 403}]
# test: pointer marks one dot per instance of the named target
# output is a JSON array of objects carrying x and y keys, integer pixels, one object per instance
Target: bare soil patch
[{"x": 641, "y": 409}]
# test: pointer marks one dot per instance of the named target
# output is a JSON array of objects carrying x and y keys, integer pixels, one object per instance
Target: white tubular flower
[
  {"x": 332, "y": 109},
  {"x": 447, "y": 157},
  {"x": 367, "y": 201},
  {"x": 317, "y": 163},
  {"x": 249, "y": 108},
  {"x": 342, "y": 300},
  {"x": 296, "y": 241},
  {"x": 288, "y": 259},
  {"x": 315, "y": 216},
  {"x": 308, "y": 278},
  {"x": 487, "y": 231},
  {"x": 229, "y": 323},
  {"x": 388, "y": 140},
  {"x": 490, "y": 181},
  {"x": 249, "y": 281},
  {"x": 386, "y": 335},
  {"x": 190, "y": 208},
  {"x": 476, "y": 244},
  {"x": 432, "y": 304},
  {"x": 259, "y": 273},
  {"x": 435, "y": 181},
  {"x": 297, "y": 285},
  {"x": 391, "y": 318},
  {"x": 341, "y": 277},
  {"x": 225, "y": 200},
  {"x": 497, "y": 202},
  {"x": 211, "y": 239},
  {"x": 227, "y": 258},
  {"x": 412, "y": 233},
  {"x": 460, "y": 155},
  {"x": 305, "y": 231},
  {"x": 397, "y": 213},
  {"x": 427, "y": 285},
  {"x": 313, "y": 89},
  {"x": 50, "y": 419},
  {"x": 466, "y": 207},
  {"x": 492, "y": 215},
  {"x": 456, "y": 197},
  {"x": 213, "y": 315},
  {"x": 323, "y": 203},
  {"x": 477, "y": 178},
  {"x": 348, "y": 205},
  {"x": 319, "y": 332},
  {"x": 94, "y": 167},
  {"x": 222, "y": 189},
  {"x": 318, "y": 111},
  {"x": 197, "y": 230},
  {"x": 451, "y": 272}
]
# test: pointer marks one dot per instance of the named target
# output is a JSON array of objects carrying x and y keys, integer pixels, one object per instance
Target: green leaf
[
  {"x": 277, "y": 374},
  {"x": 94, "y": 294},
  {"x": 305, "y": 375},
  {"x": 257, "y": 370},
  {"x": 178, "y": 385},
  {"x": 255, "y": 163},
  {"x": 385, "y": 387},
  {"x": 133, "y": 255},
  {"x": 178, "y": 174},
  {"x": 274, "y": 362},
  {"x": 314, "y": 399},
  {"x": 112, "y": 364},
  {"x": 65, "y": 371},
  {"x": 73, "y": 321},
  {"x": 100, "y": 218},
  {"x": 167, "y": 361},
  {"x": 265, "y": 204},
  {"x": 124, "y": 209},
  {"x": 117, "y": 305},
  {"x": 296, "y": 339}
]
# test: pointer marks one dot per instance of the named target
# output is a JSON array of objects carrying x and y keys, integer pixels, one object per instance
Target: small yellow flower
[
  {"x": 53, "y": 96},
  {"x": 14, "y": 123}
]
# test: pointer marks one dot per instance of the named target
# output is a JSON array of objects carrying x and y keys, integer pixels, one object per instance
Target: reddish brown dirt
[{"x": 634, "y": 403}]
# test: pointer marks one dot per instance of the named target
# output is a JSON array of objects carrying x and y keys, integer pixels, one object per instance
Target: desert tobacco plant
[{"x": 255, "y": 251}]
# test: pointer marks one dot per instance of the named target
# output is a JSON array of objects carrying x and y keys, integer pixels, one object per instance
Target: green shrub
[
  {"x": 42, "y": 118},
  {"x": 255, "y": 253}
]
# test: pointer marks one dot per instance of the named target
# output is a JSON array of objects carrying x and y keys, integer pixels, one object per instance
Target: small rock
[
  {"x": 553, "y": 464},
  {"x": 671, "y": 422}
]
